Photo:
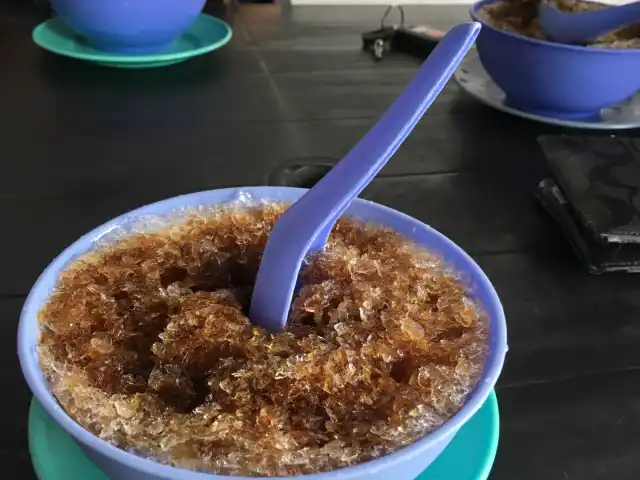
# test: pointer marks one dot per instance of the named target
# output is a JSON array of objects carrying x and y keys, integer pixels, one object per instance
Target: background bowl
[
  {"x": 129, "y": 26},
  {"x": 552, "y": 79},
  {"x": 405, "y": 464}
]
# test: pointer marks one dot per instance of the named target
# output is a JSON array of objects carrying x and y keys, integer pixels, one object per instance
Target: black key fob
[
  {"x": 378, "y": 42},
  {"x": 417, "y": 41}
]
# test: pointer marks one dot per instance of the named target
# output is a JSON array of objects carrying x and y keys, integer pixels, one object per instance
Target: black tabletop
[{"x": 80, "y": 144}]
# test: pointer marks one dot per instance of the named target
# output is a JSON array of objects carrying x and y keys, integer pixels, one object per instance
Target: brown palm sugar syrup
[{"x": 146, "y": 343}]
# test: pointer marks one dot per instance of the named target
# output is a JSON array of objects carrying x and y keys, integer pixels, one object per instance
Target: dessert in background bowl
[
  {"x": 129, "y": 26},
  {"x": 552, "y": 79},
  {"x": 150, "y": 270}
]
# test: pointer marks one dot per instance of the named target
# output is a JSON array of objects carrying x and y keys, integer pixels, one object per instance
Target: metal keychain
[
  {"x": 389, "y": 9},
  {"x": 379, "y": 41},
  {"x": 382, "y": 46}
]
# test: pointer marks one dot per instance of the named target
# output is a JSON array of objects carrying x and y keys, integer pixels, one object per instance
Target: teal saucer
[
  {"x": 471, "y": 453},
  {"x": 469, "y": 456},
  {"x": 207, "y": 33}
]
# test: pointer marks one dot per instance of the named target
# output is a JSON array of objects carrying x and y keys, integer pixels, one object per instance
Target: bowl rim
[
  {"x": 38, "y": 385},
  {"x": 473, "y": 9}
]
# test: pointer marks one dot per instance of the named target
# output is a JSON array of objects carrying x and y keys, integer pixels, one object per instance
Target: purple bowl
[
  {"x": 404, "y": 464},
  {"x": 129, "y": 26},
  {"x": 552, "y": 79}
]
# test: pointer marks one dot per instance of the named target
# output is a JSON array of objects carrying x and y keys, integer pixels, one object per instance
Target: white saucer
[{"x": 473, "y": 79}]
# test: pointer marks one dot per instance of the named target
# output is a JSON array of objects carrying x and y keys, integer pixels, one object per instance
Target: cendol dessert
[
  {"x": 146, "y": 343},
  {"x": 521, "y": 16}
]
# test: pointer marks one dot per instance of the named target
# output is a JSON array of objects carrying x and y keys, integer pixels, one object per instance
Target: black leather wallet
[{"x": 595, "y": 198}]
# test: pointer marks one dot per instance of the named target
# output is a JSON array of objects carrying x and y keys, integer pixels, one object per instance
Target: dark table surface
[{"x": 81, "y": 144}]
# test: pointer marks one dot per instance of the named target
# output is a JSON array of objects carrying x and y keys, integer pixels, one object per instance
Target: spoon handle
[
  {"x": 585, "y": 26},
  {"x": 304, "y": 227},
  {"x": 330, "y": 197},
  {"x": 613, "y": 17}
]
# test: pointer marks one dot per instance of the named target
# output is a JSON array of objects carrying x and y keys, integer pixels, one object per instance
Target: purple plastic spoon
[
  {"x": 305, "y": 226},
  {"x": 582, "y": 28}
]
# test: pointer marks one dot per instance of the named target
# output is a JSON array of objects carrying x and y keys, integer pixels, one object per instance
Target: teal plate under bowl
[
  {"x": 207, "y": 33},
  {"x": 469, "y": 456}
]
